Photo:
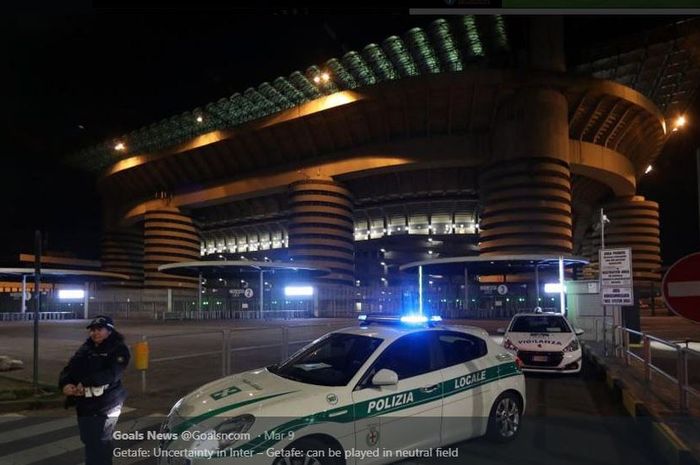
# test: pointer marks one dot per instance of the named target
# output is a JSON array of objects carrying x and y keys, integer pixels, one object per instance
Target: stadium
[{"x": 469, "y": 137}]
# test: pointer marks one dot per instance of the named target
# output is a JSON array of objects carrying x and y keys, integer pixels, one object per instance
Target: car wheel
[
  {"x": 312, "y": 452},
  {"x": 504, "y": 419}
]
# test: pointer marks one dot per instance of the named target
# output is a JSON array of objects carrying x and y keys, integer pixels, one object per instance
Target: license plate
[{"x": 540, "y": 358}]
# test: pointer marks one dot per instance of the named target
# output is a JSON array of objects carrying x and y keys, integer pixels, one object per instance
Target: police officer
[{"x": 92, "y": 381}]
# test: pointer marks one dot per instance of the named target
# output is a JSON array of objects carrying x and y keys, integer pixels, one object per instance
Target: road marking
[
  {"x": 8, "y": 417},
  {"x": 73, "y": 443},
  {"x": 41, "y": 428},
  {"x": 35, "y": 454},
  {"x": 684, "y": 289},
  {"x": 36, "y": 430}
]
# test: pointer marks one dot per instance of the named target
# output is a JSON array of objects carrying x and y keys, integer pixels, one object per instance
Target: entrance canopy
[
  {"x": 492, "y": 265},
  {"x": 58, "y": 275},
  {"x": 227, "y": 267}
]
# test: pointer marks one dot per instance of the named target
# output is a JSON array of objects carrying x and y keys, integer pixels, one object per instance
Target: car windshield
[
  {"x": 331, "y": 361},
  {"x": 540, "y": 324}
]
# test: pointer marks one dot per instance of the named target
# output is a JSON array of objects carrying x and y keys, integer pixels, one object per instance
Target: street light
[
  {"x": 322, "y": 78},
  {"x": 679, "y": 123}
]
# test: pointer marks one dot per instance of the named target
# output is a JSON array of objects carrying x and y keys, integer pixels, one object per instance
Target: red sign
[{"x": 681, "y": 287}]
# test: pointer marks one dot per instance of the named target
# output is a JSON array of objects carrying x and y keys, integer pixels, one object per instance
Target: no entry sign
[{"x": 681, "y": 287}]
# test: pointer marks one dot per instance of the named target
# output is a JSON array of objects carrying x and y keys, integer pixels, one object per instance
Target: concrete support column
[
  {"x": 321, "y": 228},
  {"x": 122, "y": 252},
  {"x": 634, "y": 223},
  {"x": 526, "y": 190},
  {"x": 169, "y": 236}
]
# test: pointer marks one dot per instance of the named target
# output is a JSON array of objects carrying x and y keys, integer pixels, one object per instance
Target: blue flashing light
[
  {"x": 436, "y": 318},
  {"x": 414, "y": 319},
  {"x": 362, "y": 317}
]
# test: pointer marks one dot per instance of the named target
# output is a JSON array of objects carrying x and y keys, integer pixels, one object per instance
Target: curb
[{"x": 668, "y": 446}]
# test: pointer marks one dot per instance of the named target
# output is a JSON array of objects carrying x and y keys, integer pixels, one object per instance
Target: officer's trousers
[{"x": 96, "y": 433}]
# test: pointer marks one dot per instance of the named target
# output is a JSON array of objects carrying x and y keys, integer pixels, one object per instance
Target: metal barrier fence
[
  {"x": 233, "y": 315},
  {"x": 29, "y": 316},
  {"x": 220, "y": 344},
  {"x": 621, "y": 344}
]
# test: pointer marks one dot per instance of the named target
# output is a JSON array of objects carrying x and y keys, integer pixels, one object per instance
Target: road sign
[
  {"x": 681, "y": 287},
  {"x": 616, "y": 276}
]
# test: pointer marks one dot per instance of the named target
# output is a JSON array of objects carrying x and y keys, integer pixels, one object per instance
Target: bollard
[
  {"x": 285, "y": 343},
  {"x": 626, "y": 346},
  {"x": 224, "y": 354},
  {"x": 647, "y": 357},
  {"x": 141, "y": 356},
  {"x": 683, "y": 379}
]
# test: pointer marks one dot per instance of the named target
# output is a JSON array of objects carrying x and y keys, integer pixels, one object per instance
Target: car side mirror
[
  {"x": 578, "y": 331},
  {"x": 385, "y": 377},
  {"x": 501, "y": 330}
]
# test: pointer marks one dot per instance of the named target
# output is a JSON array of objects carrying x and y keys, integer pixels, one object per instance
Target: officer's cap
[{"x": 101, "y": 321}]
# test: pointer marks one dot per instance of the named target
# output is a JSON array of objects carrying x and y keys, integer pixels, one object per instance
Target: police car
[
  {"x": 358, "y": 395},
  {"x": 544, "y": 342}
]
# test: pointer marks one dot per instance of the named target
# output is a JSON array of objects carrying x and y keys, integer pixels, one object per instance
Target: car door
[
  {"x": 406, "y": 415},
  {"x": 468, "y": 392}
]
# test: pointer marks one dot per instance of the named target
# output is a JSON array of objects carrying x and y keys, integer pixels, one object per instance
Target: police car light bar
[{"x": 396, "y": 320}]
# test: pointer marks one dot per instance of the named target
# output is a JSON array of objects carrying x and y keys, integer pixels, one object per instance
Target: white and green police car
[
  {"x": 544, "y": 342},
  {"x": 357, "y": 395}
]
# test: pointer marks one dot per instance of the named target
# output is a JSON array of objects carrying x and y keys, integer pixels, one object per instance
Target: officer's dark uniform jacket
[{"x": 95, "y": 366}]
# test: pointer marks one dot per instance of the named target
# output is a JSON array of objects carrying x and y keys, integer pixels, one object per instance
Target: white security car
[
  {"x": 544, "y": 342},
  {"x": 358, "y": 395}
]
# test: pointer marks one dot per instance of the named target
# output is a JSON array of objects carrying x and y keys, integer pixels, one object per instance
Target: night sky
[{"x": 76, "y": 79}]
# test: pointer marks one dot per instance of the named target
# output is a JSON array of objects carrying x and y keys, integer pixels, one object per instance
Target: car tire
[
  {"x": 312, "y": 444},
  {"x": 505, "y": 418}
]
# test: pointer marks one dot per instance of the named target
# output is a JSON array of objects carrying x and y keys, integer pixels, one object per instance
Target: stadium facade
[{"x": 452, "y": 140}]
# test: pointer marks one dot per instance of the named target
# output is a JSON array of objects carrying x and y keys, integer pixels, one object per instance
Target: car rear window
[{"x": 460, "y": 348}]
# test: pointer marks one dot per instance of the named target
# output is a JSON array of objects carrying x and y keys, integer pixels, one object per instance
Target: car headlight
[
  {"x": 173, "y": 419},
  {"x": 233, "y": 429},
  {"x": 509, "y": 345},
  {"x": 223, "y": 435},
  {"x": 572, "y": 346}
]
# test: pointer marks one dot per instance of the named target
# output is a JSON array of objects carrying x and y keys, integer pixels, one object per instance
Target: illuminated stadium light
[
  {"x": 199, "y": 119},
  {"x": 680, "y": 121},
  {"x": 649, "y": 169},
  {"x": 554, "y": 288},
  {"x": 298, "y": 291},
  {"x": 119, "y": 146},
  {"x": 71, "y": 294}
]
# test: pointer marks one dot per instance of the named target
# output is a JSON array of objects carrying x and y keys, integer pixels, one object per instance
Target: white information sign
[{"x": 616, "y": 276}]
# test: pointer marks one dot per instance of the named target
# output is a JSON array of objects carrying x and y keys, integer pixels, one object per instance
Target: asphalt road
[{"x": 569, "y": 419}]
